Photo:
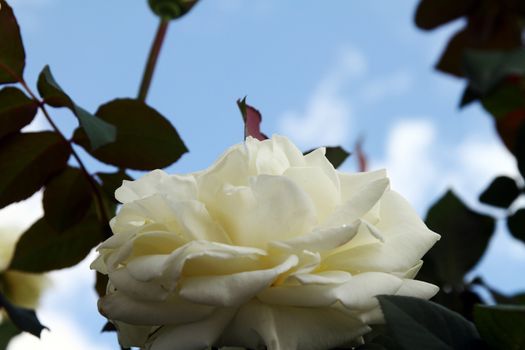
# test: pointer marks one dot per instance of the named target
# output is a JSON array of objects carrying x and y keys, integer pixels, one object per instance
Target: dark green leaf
[
  {"x": 112, "y": 181},
  {"x": 469, "y": 96},
  {"x": 101, "y": 282},
  {"x": 486, "y": 69},
  {"x": 516, "y": 224},
  {"x": 433, "y": 13},
  {"x": 501, "y": 326},
  {"x": 461, "y": 299},
  {"x": 12, "y": 54},
  {"x": 464, "y": 238},
  {"x": 7, "y": 331},
  {"x": 67, "y": 198},
  {"x": 336, "y": 155},
  {"x": 51, "y": 92},
  {"x": 28, "y": 161},
  {"x": 109, "y": 327},
  {"x": 24, "y": 319},
  {"x": 145, "y": 139},
  {"x": 98, "y": 131},
  {"x": 501, "y": 192},
  {"x": 171, "y": 9},
  {"x": 418, "y": 324},
  {"x": 519, "y": 142},
  {"x": 16, "y": 110},
  {"x": 43, "y": 248},
  {"x": 504, "y": 99}
]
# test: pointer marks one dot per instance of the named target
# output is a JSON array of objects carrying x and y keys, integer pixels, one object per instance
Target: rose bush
[{"x": 267, "y": 247}]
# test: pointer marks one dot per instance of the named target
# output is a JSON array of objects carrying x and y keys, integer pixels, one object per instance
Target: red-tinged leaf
[
  {"x": 12, "y": 54},
  {"x": 252, "y": 120},
  {"x": 509, "y": 126},
  {"x": 361, "y": 157},
  {"x": 28, "y": 161},
  {"x": 16, "y": 110}
]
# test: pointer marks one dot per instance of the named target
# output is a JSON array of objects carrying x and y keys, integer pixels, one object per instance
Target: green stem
[{"x": 152, "y": 59}]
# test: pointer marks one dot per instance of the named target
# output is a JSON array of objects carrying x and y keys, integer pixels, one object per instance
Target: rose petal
[
  {"x": 321, "y": 190},
  {"x": 359, "y": 203},
  {"x": 288, "y": 328},
  {"x": 321, "y": 239},
  {"x": 272, "y": 207},
  {"x": 356, "y": 294},
  {"x": 233, "y": 289},
  {"x": 175, "y": 186},
  {"x": 192, "y": 336},
  {"x": 121, "y": 307}
]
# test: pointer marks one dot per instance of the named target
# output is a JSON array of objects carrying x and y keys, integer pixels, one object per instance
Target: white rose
[{"x": 266, "y": 248}]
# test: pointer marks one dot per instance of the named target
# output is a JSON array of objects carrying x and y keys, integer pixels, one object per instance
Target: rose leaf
[
  {"x": 420, "y": 324},
  {"x": 29, "y": 160},
  {"x": 516, "y": 224},
  {"x": 252, "y": 120},
  {"x": 24, "y": 319},
  {"x": 464, "y": 238},
  {"x": 12, "y": 53},
  {"x": 66, "y": 199},
  {"x": 16, "y": 110},
  {"x": 501, "y": 326},
  {"x": 44, "y": 248},
  {"x": 145, "y": 139},
  {"x": 501, "y": 192},
  {"x": 99, "y": 132}
]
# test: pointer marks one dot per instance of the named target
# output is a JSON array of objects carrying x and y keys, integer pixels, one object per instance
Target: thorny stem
[
  {"x": 152, "y": 59},
  {"x": 91, "y": 181}
]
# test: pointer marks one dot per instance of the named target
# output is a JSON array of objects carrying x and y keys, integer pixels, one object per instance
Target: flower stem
[
  {"x": 152, "y": 59},
  {"x": 94, "y": 187}
]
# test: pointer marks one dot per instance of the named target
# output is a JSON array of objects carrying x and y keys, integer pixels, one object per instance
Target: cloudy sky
[{"x": 321, "y": 74}]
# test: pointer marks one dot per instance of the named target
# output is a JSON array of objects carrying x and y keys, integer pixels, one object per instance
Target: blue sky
[{"x": 321, "y": 73}]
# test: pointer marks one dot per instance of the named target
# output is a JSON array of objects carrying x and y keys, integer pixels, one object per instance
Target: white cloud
[
  {"x": 37, "y": 124},
  {"x": 395, "y": 84},
  {"x": 421, "y": 170},
  {"x": 326, "y": 118},
  {"x": 410, "y": 167},
  {"x": 21, "y": 215}
]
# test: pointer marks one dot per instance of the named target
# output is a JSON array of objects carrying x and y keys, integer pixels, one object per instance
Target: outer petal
[
  {"x": 356, "y": 294},
  {"x": 406, "y": 240},
  {"x": 192, "y": 336},
  {"x": 290, "y": 328},
  {"x": 174, "y": 186},
  {"x": 119, "y": 306}
]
